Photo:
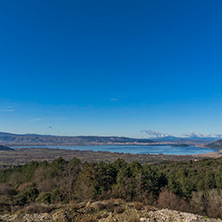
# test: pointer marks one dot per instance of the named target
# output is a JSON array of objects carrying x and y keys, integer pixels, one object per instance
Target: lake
[{"x": 137, "y": 149}]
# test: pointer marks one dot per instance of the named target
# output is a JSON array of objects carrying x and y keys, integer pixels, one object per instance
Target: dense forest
[{"x": 194, "y": 186}]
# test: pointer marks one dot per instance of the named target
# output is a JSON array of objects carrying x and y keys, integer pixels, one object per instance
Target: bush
[
  {"x": 167, "y": 199},
  {"x": 6, "y": 190},
  {"x": 88, "y": 219},
  {"x": 56, "y": 196},
  {"x": 109, "y": 205},
  {"x": 36, "y": 208},
  {"x": 74, "y": 205},
  {"x": 138, "y": 205},
  {"x": 44, "y": 197},
  {"x": 31, "y": 193},
  {"x": 215, "y": 203},
  {"x": 119, "y": 209},
  {"x": 27, "y": 196},
  {"x": 24, "y": 186},
  {"x": 20, "y": 200},
  {"x": 47, "y": 185},
  {"x": 98, "y": 206},
  {"x": 5, "y": 202},
  {"x": 208, "y": 203},
  {"x": 199, "y": 202},
  {"x": 133, "y": 218}
]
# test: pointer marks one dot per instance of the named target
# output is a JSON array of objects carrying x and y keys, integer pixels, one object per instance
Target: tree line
[{"x": 194, "y": 186}]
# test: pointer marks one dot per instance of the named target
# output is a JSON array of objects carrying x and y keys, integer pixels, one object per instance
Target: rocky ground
[{"x": 104, "y": 211}]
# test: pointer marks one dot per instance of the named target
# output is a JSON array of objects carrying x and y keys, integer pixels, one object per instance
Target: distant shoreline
[
  {"x": 154, "y": 149},
  {"x": 216, "y": 154},
  {"x": 22, "y": 156},
  {"x": 112, "y": 144}
]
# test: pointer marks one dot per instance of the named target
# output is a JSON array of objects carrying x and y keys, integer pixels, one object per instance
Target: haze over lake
[{"x": 137, "y": 149}]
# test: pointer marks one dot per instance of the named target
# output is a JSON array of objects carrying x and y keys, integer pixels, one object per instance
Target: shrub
[
  {"x": 119, "y": 209},
  {"x": 88, "y": 219},
  {"x": 215, "y": 203},
  {"x": 24, "y": 186},
  {"x": 47, "y": 185},
  {"x": 138, "y": 205},
  {"x": 208, "y": 202},
  {"x": 44, "y": 197},
  {"x": 27, "y": 196},
  {"x": 167, "y": 199},
  {"x": 99, "y": 206},
  {"x": 20, "y": 200},
  {"x": 6, "y": 190},
  {"x": 74, "y": 205},
  {"x": 109, "y": 205},
  {"x": 5, "y": 202},
  {"x": 199, "y": 202},
  {"x": 133, "y": 218},
  {"x": 36, "y": 208},
  {"x": 56, "y": 196}
]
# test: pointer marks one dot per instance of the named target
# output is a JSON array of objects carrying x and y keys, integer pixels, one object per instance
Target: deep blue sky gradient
[{"x": 110, "y": 67}]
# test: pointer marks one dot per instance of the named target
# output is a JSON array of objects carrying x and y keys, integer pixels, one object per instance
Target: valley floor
[{"x": 24, "y": 155}]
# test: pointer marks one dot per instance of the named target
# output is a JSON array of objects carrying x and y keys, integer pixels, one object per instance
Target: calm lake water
[{"x": 137, "y": 149}]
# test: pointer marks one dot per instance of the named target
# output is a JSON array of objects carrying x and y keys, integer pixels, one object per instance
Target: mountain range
[
  {"x": 35, "y": 139},
  {"x": 216, "y": 145},
  {"x": 188, "y": 140}
]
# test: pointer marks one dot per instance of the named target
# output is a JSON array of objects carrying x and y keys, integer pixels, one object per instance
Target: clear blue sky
[{"x": 110, "y": 67}]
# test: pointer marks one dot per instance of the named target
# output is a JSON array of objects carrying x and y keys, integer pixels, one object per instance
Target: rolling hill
[
  {"x": 34, "y": 139},
  {"x": 5, "y": 148},
  {"x": 217, "y": 144}
]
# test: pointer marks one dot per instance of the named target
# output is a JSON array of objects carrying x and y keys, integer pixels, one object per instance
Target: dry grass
[
  {"x": 119, "y": 210},
  {"x": 119, "y": 201},
  {"x": 99, "y": 206},
  {"x": 37, "y": 208},
  {"x": 88, "y": 219},
  {"x": 138, "y": 205},
  {"x": 133, "y": 218},
  {"x": 110, "y": 205},
  {"x": 74, "y": 205}
]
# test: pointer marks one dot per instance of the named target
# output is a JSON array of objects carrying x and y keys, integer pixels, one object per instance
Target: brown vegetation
[
  {"x": 133, "y": 218},
  {"x": 167, "y": 199},
  {"x": 138, "y": 205},
  {"x": 184, "y": 186},
  {"x": 6, "y": 190},
  {"x": 37, "y": 208},
  {"x": 208, "y": 202}
]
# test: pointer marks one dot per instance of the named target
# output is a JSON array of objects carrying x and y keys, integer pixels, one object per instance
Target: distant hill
[
  {"x": 10, "y": 139},
  {"x": 185, "y": 140},
  {"x": 34, "y": 139},
  {"x": 217, "y": 144},
  {"x": 5, "y": 148}
]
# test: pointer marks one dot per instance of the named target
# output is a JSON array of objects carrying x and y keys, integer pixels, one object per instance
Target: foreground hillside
[
  {"x": 193, "y": 186},
  {"x": 103, "y": 211}
]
